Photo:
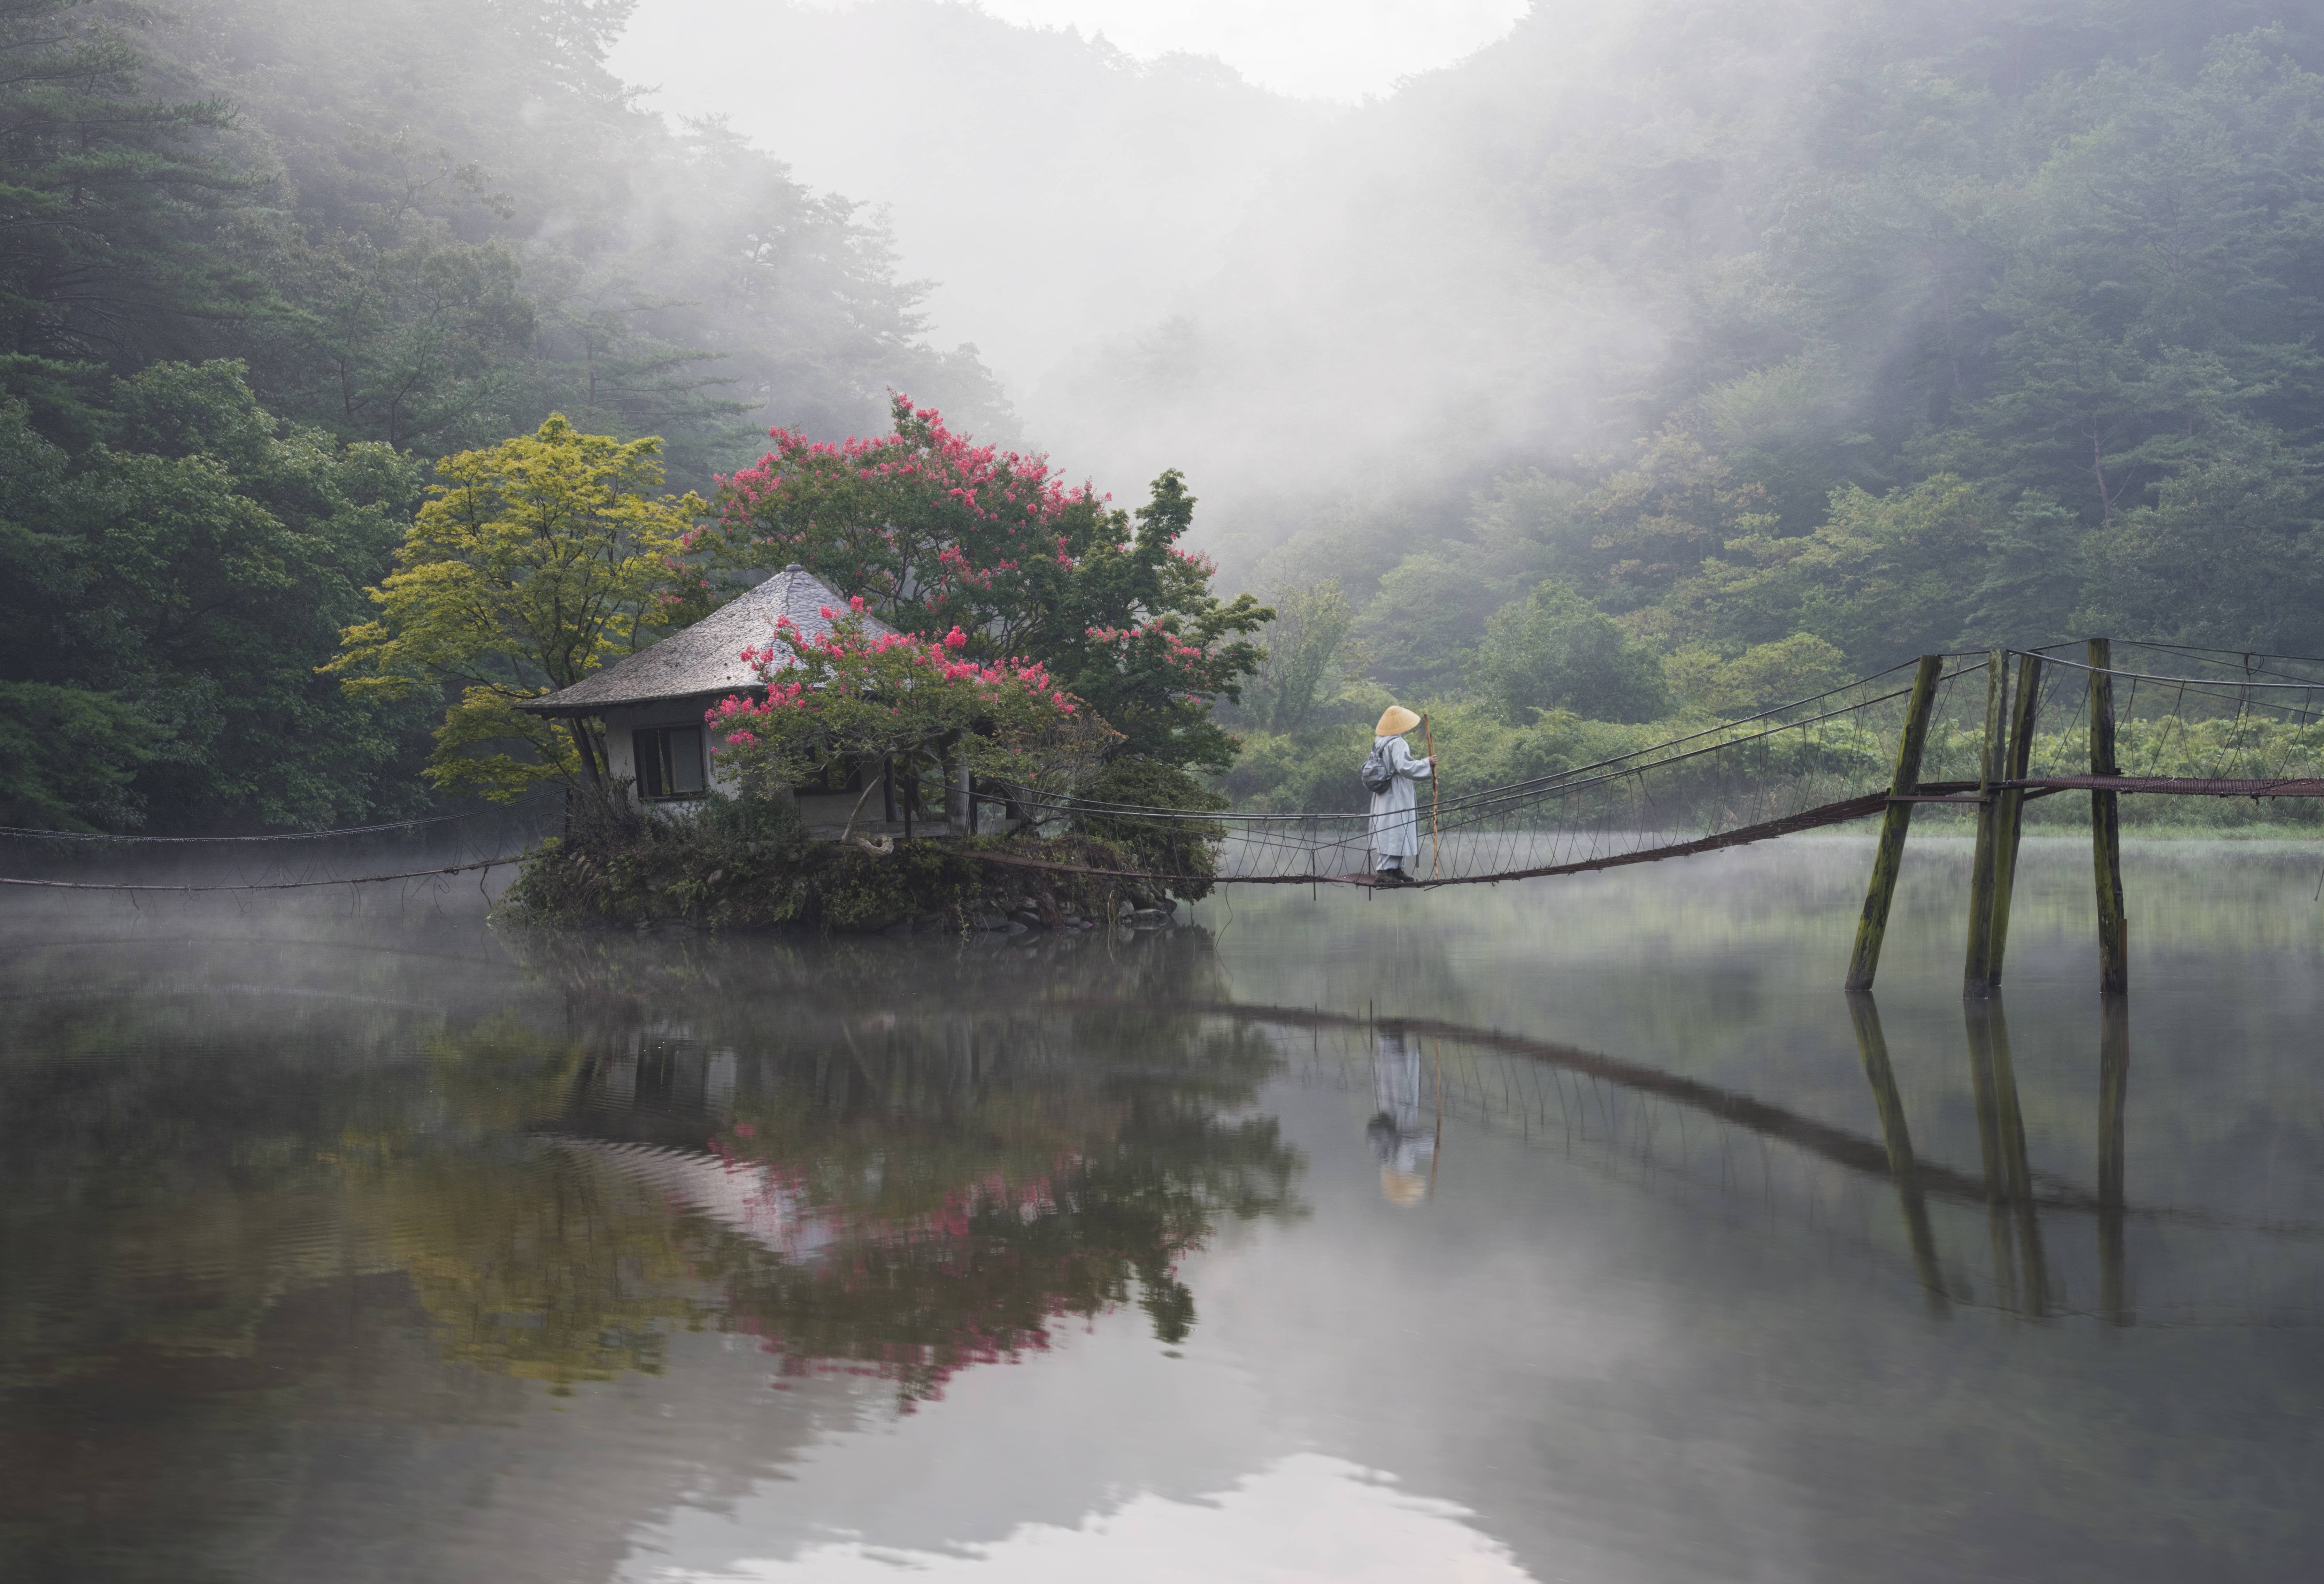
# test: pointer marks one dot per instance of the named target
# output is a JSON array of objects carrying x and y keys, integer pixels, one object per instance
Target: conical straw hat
[{"x": 1396, "y": 722}]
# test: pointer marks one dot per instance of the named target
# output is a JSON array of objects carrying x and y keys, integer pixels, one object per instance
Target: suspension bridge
[{"x": 1987, "y": 732}]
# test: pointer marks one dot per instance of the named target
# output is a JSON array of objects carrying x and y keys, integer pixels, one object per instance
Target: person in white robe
[{"x": 1396, "y": 811}]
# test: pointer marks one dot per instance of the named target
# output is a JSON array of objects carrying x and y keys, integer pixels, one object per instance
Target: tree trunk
[{"x": 588, "y": 752}]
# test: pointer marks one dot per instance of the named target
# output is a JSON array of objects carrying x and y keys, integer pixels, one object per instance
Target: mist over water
[
  {"x": 1598, "y": 378},
  {"x": 1553, "y": 1232}
]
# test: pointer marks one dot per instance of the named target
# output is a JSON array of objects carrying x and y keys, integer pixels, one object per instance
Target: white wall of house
[
  {"x": 623, "y": 721},
  {"x": 824, "y": 813}
]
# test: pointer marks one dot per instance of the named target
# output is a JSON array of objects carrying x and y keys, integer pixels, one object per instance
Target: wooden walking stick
[{"x": 1435, "y": 831}]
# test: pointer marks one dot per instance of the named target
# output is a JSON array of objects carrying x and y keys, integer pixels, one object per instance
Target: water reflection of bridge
[{"x": 2052, "y": 1246}]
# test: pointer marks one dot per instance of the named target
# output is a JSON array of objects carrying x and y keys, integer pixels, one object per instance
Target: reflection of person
[
  {"x": 1402, "y": 1136},
  {"x": 1395, "y": 807}
]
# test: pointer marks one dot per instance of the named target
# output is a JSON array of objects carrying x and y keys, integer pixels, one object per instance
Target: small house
[{"x": 652, "y": 704}]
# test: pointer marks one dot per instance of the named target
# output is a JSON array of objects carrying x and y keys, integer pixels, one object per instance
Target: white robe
[{"x": 1395, "y": 813}]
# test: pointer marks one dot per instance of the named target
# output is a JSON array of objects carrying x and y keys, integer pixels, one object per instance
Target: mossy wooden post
[
  {"x": 1889, "y": 859},
  {"x": 2009, "y": 813},
  {"x": 2106, "y": 829},
  {"x": 1977, "y": 967}
]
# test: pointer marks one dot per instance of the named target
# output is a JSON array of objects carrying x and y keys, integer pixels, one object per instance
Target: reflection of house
[{"x": 652, "y": 703}]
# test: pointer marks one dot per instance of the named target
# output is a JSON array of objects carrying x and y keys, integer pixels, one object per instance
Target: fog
[
  {"x": 1165, "y": 264},
  {"x": 1050, "y": 189},
  {"x": 1305, "y": 303}
]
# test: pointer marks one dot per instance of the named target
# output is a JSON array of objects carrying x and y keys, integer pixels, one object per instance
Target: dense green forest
[
  {"x": 261, "y": 262},
  {"x": 2001, "y": 321},
  {"x": 1856, "y": 330}
]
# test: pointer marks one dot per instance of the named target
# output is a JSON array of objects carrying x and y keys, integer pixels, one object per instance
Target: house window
[{"x": 669, "y": 760}]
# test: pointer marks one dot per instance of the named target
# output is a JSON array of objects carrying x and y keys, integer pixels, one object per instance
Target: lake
[{"x": 1577, "y": 1230}]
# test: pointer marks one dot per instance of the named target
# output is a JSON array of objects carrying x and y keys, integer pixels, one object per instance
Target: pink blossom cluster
[
  {"x": 848, "y": 649},
  {"x": 1019, "y": 498},
  {"x": 1171, "y": 648}
]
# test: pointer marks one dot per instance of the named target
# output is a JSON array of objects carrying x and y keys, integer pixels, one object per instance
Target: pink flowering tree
[
  {"x": 939, "y": 536},
  {"x": 850, "y": 694}
]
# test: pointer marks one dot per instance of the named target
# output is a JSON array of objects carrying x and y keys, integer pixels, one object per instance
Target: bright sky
[{"x": 1314, "y": 49}]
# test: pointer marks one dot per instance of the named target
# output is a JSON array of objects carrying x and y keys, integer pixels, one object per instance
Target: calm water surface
[{"x": 1581, "y": 1230}]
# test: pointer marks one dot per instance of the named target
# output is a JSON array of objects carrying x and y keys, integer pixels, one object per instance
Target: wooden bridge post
[
  {"x": 1977, "y": 968},
  {"x": 1864, "y": 961},
  {"x": 2106, "y": 829},
  {"x": 2010, "y": 812}
]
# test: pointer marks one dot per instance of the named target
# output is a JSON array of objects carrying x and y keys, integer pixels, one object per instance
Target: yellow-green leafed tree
[{"x": 533, "y": 564}]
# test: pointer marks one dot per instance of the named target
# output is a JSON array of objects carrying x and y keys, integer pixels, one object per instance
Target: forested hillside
[
  {"x": 262, "y": 262},
  {"x": 1660, "y": 361},
  {"x": 1819, "y": 336}
]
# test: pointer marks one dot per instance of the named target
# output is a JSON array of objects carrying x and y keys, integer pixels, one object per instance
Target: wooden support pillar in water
[
  {"x": 1977, "y": 970},
  {"x": 2114, "y": 1083},
  {"x": 1903, "y": 1170},
  {"x": 1889, "y": 859},
  {"x": 2009, "y": 812},
  {"x": 2105, "y": 830}
]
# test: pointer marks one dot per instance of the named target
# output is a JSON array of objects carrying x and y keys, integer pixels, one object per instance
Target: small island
[{"x": 986, "y": 712}]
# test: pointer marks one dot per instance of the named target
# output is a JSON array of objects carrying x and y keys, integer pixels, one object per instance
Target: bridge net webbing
[
  {"x": 412, "y": 850},
  {"x": 2228, "y": 724},
  {"x": 1822, "y": 761},
  {"x": 2208, "y": 722},
  {"x": 2246, "y": 728}
]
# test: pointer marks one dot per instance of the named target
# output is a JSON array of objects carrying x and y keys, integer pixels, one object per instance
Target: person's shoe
[{"x": 1392, "y": 877}]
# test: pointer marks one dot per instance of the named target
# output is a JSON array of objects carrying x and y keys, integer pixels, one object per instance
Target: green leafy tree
[
  {"x": 193, "y": 571},
  {"x": 1764, "y": 677},
  {"x": 532, "y": 565},
  {"x": 472, "y": 223},
  {"x": 70, "y": 756},
  {"x": 109, "y": 204},
  {"x": 847, "y": 694},
  {"x": 1421, "y": 628},
  {"x": 1554, "y": 649},
  {"x": 936, "y": 533},
  {"x": 2231, "y": 554},
  {"x": 1884, "y": 577},
  {"x": 1311, "y": 655}
]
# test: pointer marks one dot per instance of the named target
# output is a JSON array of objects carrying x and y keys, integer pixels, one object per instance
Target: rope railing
[
  {"x": 134, "y": 838},
  {"x": 1825, "y": 759}
]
